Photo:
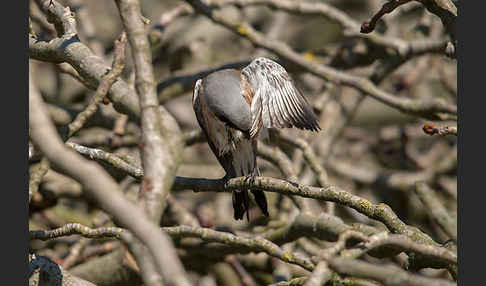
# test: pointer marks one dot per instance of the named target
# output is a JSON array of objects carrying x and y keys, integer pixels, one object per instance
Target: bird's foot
[{"x": 250, "y": 179}]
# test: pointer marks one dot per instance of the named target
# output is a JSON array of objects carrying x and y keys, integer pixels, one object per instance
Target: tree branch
[
  {"x": 103, "y": 88},
  {"x": 386, "y": 274},
  {"x": 436, "y": 210},
  {"x": 68, "y": 48},
  {"x": 96, "y": 183},
  {"x": 430, "y": 129},
  {"x": 388, "y": 7},
  {"x": 205, "y": 234}
]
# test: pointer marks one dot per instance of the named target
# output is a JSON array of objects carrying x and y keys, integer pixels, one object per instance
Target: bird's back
[{"x": 222, "y": 92}]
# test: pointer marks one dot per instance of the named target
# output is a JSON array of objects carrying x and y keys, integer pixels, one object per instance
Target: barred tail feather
[
  {"x": 241, "y": 204},
  {"x": 261, "y": 201}
]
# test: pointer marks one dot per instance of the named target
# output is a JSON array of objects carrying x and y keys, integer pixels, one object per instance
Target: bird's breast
[
  {"x": 223, "y": 137},
  {"x": 246, "y": 91}
]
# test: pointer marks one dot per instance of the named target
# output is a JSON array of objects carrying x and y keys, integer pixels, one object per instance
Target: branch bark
[
  {"x": 96, "y": 183},
  {"x": 161, "y": 143}
]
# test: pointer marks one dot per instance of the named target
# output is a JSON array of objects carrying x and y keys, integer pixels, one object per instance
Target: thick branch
[
  {"x": 68, "y": 48},
  {"x": 162, "y": 145}
]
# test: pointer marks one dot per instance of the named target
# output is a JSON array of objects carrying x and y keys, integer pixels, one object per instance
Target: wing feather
[
  {"x": 294, "y": 104},
  {"x": 278, "y": 112},
  {"x": 289, "y": 103},
  {"x": 286, "y": 114},
  {"x": 277, "y": 101}
]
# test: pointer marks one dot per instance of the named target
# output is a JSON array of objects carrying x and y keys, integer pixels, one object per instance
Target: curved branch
[
  {"x": 103, "y": 88},
  {"x": 350, "y": 26},
  {"x": 205, "y": 234},
  {"x": 401, "y": 243},
  {"x": 388, "y": 7},
  {"x": 386, "y": 274},
  {"x": 380, "y": 212},
  {"x": 92, "y": 68}
]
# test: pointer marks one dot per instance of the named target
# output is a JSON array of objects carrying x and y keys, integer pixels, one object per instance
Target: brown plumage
[{"x": 234, "y": 107}]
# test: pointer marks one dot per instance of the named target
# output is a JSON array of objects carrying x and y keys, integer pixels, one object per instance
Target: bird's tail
[
  {"x": 241, "y": 204},
  {"x": 261, "y": 201},
  {"x": 241, "y": 201},
  {"x": 259, "y": 195}
]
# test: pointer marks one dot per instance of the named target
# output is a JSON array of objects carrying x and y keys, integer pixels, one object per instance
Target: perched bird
[{"x": 234, "y": 107}]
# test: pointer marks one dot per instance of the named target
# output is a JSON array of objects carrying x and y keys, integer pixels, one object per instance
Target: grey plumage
[
  {"x": 225, "y": 102},
  {"x": 233, "y": 107}
]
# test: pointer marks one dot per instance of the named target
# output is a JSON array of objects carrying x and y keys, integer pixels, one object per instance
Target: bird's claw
[{"x": 250, "y": 179}]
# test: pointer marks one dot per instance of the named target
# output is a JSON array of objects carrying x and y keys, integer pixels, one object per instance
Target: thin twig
[
  {"x": 103, "y": 88},
  {"x": 206, "y": 234},
  {"x": 36, "y": 177},
  {"x": 388, "y": 7},
  {"x": 436, "y": 210},
  {"x": 430, "y": 129}
]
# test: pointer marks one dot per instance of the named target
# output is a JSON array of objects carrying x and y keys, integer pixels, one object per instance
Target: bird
[{"x": 235, "y": 107}]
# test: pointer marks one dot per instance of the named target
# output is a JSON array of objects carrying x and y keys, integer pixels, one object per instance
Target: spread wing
[{"x": 276, "y": 102}]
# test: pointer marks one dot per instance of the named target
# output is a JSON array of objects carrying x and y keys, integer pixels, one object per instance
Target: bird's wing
[
  {"x": 276, "y": 102},
  {"x": 223, "y": 94}
]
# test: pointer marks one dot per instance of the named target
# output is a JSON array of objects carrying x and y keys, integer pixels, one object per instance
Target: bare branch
[
  {"x": 430, "y": 129},
  {"x": 400, "y": 243},
  {"x": 386, "y": 274},
  {"x": 112, "y": 159},
  {"x": 205, "y": 234},
  {"x": 388, "y": 7},
  {"x": 350, "y": 26},
  {"x": 36, "y": 177},
  {"x": 105, "y": 85},
  {"x": 436, "y": 209},
  {"x": 162, "y": 144},
  {"x": 68, "y": 48}
]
